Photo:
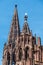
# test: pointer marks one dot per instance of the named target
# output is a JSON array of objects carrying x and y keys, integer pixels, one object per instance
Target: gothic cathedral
[{"x": 22, "y": 48}]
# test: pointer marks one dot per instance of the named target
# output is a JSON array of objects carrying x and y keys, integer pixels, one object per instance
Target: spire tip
[
  {"x": 25, "y": 14},
  {"x": 16, "y": 5},
  {"x": 25, "y": 17}
]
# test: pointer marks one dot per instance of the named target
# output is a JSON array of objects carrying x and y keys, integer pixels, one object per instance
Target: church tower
[
  {"x": 9, "y": 49},
  {"x": 15, "y": 28},
  {"x": 22, "y": 48}
]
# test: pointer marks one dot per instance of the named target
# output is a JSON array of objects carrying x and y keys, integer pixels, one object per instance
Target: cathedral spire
[
  {"x": 16, "y": 12},
  {"x": 25, "y": 26},
  {"x": 15, "y": 28}
]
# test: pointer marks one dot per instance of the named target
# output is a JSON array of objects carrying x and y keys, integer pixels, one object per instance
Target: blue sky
[{"x": 34, "y": 9}]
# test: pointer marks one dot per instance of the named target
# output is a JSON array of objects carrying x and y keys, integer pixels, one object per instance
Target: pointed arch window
[
  {"x": 13, "y": 63},
  {"x": 20, "y": 53},
  {"x": 28, "y": 40},
  {"x": 8, "y": 58},
  {"x": 25, "y": 40},
  {"x": 26, "y": 53},
  {"x": 13, "y": 57}
]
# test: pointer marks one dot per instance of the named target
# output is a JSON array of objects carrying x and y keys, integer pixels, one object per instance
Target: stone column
[{"x": 11, "y": 57}]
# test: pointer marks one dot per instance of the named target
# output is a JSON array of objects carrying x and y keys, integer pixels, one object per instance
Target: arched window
[
  {"x": 13, "y": 63},
  {"x": 8, "y": 58},
  {"x": 28, "y": 40},
  {"x": 13, "y": 57},
  {"x": 25, "y": 40},
  {"x": 20, "y": 53},
  {"x": 26, "y": 53},
  {"x": 22, "y": 39}
]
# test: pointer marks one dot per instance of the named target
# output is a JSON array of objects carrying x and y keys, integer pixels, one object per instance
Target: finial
[
  {"x": 16, "y": 6},
  {"x": 26, "y": 14},
  {"x": 25, "y": 17}
]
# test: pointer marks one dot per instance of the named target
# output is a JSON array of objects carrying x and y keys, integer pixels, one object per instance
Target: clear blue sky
[{"x": 34, "y": 8}]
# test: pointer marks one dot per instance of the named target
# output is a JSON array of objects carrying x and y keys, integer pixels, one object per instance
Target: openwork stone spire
[{"x": 15, "y": 29}]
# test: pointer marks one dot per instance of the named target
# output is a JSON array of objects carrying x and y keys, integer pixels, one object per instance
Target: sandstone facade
[{"x": 22, "y": 48}]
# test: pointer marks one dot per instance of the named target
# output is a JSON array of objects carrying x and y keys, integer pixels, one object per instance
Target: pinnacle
[
  {"x": 25, "y": 17},
  {"x": 16, "y": 5}
]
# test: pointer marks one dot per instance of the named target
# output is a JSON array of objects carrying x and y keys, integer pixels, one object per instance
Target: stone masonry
[{"x": 22, "y": 47}]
